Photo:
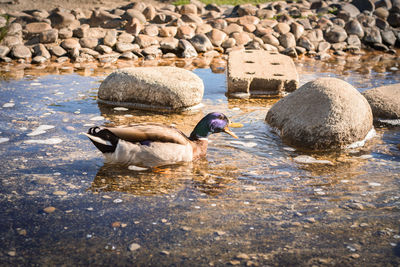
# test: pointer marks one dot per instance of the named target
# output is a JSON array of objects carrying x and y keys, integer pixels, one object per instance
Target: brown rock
[
  {"x": 124, "y": 47},
  {"x": 145, "y": 41},
  {"x": 149, "y": 12},
  {"x": 188, "y": 9},
  {"x": 203, "y": 28},
  {"x": 169, "y": 43},
  {"x": 134, "y": 27},
  {"x": 63, "y": 19},
  {"x": 58, "y": 51},
  {"x": 151, "y": 30},
  {"x": 37, "y": 27},
  {"x": 168, "y": 31},
  {"x": 50, "y": 36},
  {"x": 110, "y": 39},
  {"x": 384, "y": 101},
  {"x": 287, "y": 40},
  {"x": 11, "y": 41},
  {"x": 185, "y": 32},
  {"x": 248, "y": 20},
  {"x": 65, "y": 33},
  {"x": 270, "y": 39},
  {"x": 191, "y": 18},
  {"x": 88, "y": 42},
  {"x": 326, "y": 113},
  {"x": 228, "y": 43},
  {"x": 81, "y": 31},
  {"x": 242, "y": 38},
  {"x": 282, "y": 28},
  {"x": 126, "y": 38},
  {"x": 21, "y": 52},
  {"x": 70, "y": 43},
  {"x": 217, "y": 37},
  {"x": 233, "y": 27},
  {"x": 131, "y": 14},
  {"x": 40, "y": 50}
]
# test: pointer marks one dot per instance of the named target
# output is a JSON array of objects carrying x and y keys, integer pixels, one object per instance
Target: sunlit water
[{"x": 248, "y": 202}]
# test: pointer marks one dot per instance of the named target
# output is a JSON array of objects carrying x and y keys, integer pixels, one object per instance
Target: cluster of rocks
[{"x": 143, "y": 30}]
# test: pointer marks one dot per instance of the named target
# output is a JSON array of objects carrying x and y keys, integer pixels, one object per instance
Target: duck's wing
[{"x": 150, "y": 132}]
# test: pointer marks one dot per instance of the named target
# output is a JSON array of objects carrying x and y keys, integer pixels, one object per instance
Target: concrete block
[{"x": 255, "y": 73}]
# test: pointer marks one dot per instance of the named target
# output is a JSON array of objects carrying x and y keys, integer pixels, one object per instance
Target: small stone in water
[
  {"x": 165, "y": 252},
  {"x": 50, "y": 141},
  {"x": 128, "y": 115},
  {"x": 12, "y": 253},
  {"x": 374, "y": 184},
  {"x": 118, "y": 200},
  {"x": 97, "y": 118},
  {"x": 4, "y": 139},
  {"x": 355, "y": 256},
  {"x": 59, "y": 193},
  {"x": 291, "y": 149},
  {"x": 9, "y": 105},
  {"x": 134, "y": 246},
  {"x": 249, "y": 136},
  {"x": 90, "y": 209},
  {"x": 304, "y": 159},
  {"x": 242, "y": 256},
  {"x": 116, "y": 224},
  {"x": 49, "y": 209},
  {"x": 120, "y": 109}
]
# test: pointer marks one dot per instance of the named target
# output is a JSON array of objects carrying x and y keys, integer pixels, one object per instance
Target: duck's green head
[{"x": 212, "y": 123}]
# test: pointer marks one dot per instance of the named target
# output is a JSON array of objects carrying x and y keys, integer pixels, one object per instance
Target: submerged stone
[{"x": 152, "y": 88}]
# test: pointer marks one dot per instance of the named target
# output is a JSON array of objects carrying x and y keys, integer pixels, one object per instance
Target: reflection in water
[{"x": 165, "y": 179}]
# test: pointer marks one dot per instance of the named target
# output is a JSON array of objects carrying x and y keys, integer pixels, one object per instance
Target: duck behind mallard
[{"x": 151, "y": 144}]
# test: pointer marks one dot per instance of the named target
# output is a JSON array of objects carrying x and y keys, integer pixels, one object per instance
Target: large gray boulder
[
  {"x": 326, "y": 113},
  {"x": 384, "y": 101},
  {"x": 153, "y": 88}
]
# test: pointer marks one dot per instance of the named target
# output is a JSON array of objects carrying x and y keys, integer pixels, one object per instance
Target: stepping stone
[{"x": 260, "y": 73}]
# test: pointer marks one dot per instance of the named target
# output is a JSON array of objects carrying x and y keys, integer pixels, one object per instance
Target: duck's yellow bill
[
  {"x": 228, "y": 131},
  {"x": 235, "y": 125}
]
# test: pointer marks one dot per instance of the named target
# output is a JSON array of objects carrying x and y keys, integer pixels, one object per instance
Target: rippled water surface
[{"x": 247, "y": 203}]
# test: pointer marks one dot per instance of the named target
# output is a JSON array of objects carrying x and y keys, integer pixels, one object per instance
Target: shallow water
[{"x": 247, "y": 203}]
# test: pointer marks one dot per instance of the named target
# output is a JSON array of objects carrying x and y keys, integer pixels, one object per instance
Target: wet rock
[
  {"x": 394, "y": 19},
  {"x": 167, "y": 88},
  {"x": 354, "y": 41},
  {"x": 323, "y": 47},
  {"x": 49, "y": 209},
  {"x": 21, "y": 51},
  {"x": 125, "y": 47},
  {"x": 372, "y": 36},
  {"x": 384, "y": 101},
  {"x": 322, "y": 114},
  {"x": 169, "y": 44},
  {"x": 304, "y": 159},
  {"x": 306, "y": 43},
  {"x": 134, "y": 246}
]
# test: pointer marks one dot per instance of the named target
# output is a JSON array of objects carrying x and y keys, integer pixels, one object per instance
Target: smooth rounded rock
[
  {"x": 384, "y": 101},
  {"x": 153, "y": 88},
  {"x": 326, "y": 113}
]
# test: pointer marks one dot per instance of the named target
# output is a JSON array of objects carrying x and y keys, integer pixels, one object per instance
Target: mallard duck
[{"x": 151, "y": 144}]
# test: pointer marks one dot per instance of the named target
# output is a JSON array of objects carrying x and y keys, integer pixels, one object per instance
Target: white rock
[
  {"x": 9, "y": 105},
  {"x": 97, "y": 118},
  {"x": 374, "y": 184},
  {"x": 41, "y": 130},
  {"x": 120, "y": 109},
  {"x": 304, "y": 159},
  {"x": 50, "y": 141},
  {"x": 134, "y": 246},
  {"x": 4, "y": 139}
]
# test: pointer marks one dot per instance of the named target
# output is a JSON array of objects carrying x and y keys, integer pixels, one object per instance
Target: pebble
[
  {"x": 245, "y": 144},
  {"x": 249, "y": 136},
  {"x": 304, "y": 159},
  {"x": 117, "y": 200},
  {"x": 49, "y": 141},
  {"x": 49, "y": 209},
  {"x": 355, "y": 256},
  {"x": 116, "y": 224},
  {"x": 97, "y": 118},
  {"x": 310, "y": 220},
  {"x": 234, "y": 262},
  {"x": 374, "y": 184},
  {"x": 355, "y": 206},
  {"x": 290, "y": 149},
  {"x": 9, "y": 105},
  {"x": 242, "y": 256},
  {"x": 40, "y": 130},
  {"x": 12, "y": 253},
  {"x": 165, "y": 252},
  {"x": 59, "y": 193},
  {"x": 4, "y": 139},
  {"x": 134, "y": 246},
  {"x": 120, "y": 109}
]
